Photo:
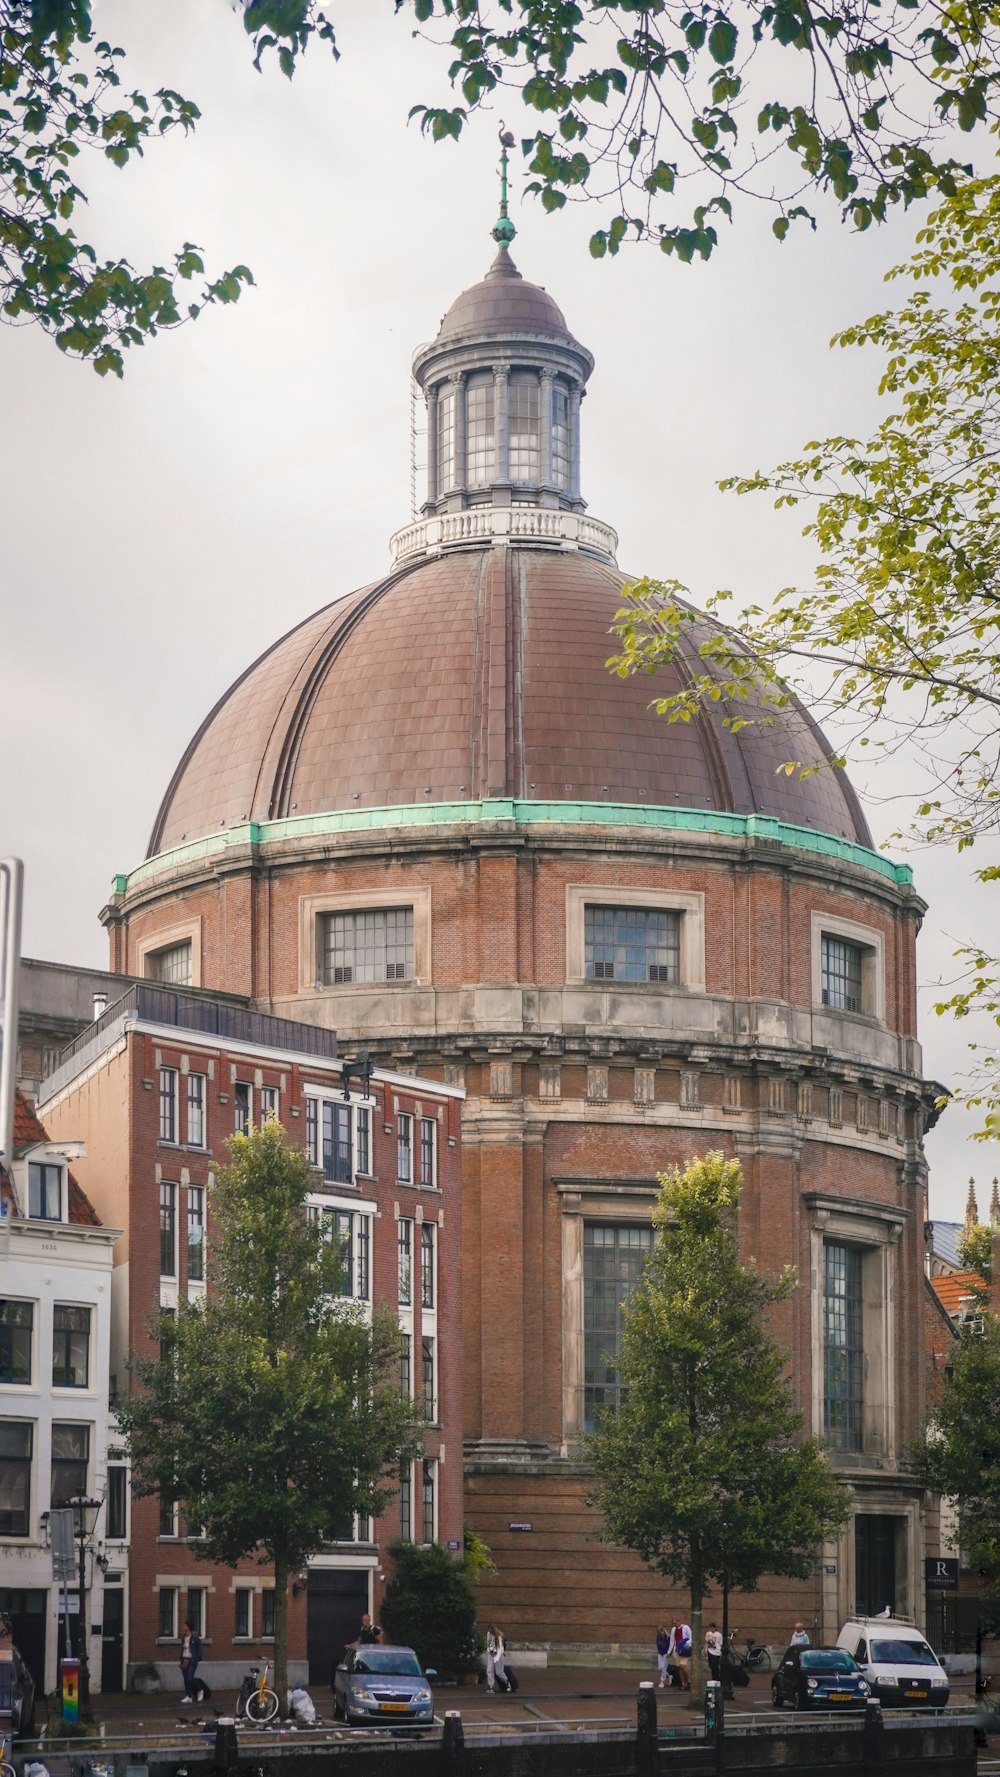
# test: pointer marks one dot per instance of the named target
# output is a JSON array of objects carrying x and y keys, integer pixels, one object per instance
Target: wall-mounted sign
[
  {"x": 941, "y": 1573},
  {"x": 830, "y": 1567},
  {"x": 520, "y": 1527},
  {"x": 453, "y": 1545}
]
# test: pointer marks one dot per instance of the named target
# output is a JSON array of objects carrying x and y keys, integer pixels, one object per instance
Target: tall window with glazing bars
[
  {"x": 632, "y": 944},
  {"x": 373, "y": 945},
  {"x": 843, "y": 1347},
  {"x": 613, "y": 1261}
]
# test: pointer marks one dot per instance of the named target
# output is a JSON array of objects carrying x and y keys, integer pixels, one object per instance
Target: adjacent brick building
[
  {"x": 156, "y": 1086},
  {"x": 429, "y": 818}
]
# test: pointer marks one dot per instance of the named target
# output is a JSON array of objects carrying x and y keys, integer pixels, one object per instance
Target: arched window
[
  {"x": 560, "y": 435},
  {"x": 525, "y": 428},
  {"x": 480, "y": 432},
  {"x": 445, "y": 438}
]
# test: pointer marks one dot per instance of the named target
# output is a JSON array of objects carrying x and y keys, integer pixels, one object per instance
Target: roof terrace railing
[{"x": 210, "y": 1017}]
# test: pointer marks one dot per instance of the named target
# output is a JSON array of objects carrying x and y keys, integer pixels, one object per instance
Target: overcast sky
[{"x": 159, "y": 533}]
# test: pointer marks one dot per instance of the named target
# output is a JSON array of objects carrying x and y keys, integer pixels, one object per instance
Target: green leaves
[
  {"x": 701, "y": 1471},
  {"x": 856, "y": 142},
  {"x": 62, "y": 91}
]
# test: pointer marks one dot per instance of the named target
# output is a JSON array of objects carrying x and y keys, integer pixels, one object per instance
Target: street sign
[
  {"x": 941, "y": 1573},
  {"x": 61, "y": 1544},
  {"x": 520, "y": 1527},
  {"x": 11, "y": 884}
]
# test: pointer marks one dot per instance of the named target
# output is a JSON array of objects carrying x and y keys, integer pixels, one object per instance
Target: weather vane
[{"x": 503, "y": 229}]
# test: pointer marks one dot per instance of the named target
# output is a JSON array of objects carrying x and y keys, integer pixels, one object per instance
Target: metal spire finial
[{"x": 503, "y": 230}]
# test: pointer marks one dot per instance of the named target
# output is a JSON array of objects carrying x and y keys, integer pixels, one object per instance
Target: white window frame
[
  {"x": 168, "y": 1277},
  {"x": 268, "y": 1104},
  {"x": 422, "y": 1466},
  {"x": 871, "y": 942},
  {"x": 199, "y": 1110},
  {"x": 431, "y": 1123},
  {"x": 320, "y": 1203},
  {"x": 72, "y": 1390},
  {"x": 315, "y": 1098},
  {"x": 312, "y": 907},
  {"x": 431, "y": 1229},
  {"x": 429, "y": 1402},
  {"x": 401, "y": 1222},
  {"x": 237, "y": 1130},
  {"x": 172, "y": 1140},
  {"x": 196, "y": 1285},
  {"x": 247, "y": 1592},
  {"x": 404, "y": 1120},
  {"x": 172, "y": 1587},
  {"x": 21, "y": 1419},
  {"x": 202, "y": 1587},
  {"x": 690, "y": 906},
  {"x": 34, "y": 1304}
]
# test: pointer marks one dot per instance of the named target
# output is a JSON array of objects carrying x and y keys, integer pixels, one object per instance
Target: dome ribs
[
  {"x": 493, "y": 719},
  {"x": 280, "y": 805}
]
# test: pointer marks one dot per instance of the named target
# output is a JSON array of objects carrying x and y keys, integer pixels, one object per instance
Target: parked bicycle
[
  {"x": 755, "y": 1658},
  {"x": 256, "y": 1701}
]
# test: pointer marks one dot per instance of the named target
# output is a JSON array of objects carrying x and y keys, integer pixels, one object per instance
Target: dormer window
[{"x": 45, "y": 1191}]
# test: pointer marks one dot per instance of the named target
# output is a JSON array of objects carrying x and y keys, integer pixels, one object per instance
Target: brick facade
[{"x": 111, "y": 1097}]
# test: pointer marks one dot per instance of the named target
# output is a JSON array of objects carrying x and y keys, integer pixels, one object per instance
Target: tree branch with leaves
[{"x": 272, "y": 1411}]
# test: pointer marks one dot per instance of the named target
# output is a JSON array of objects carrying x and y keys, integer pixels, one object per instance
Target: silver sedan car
[{"x": 379, "y": 1686}]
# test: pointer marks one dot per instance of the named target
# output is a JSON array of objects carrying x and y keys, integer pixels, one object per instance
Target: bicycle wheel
[
  {"x": 764, "y": 1660},
  {"x": 262, "y": 1708}
]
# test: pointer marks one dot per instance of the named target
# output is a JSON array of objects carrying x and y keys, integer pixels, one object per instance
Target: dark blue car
[{"x": 819, "y": 1678}]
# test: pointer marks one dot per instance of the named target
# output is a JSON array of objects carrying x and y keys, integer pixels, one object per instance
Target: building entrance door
[
  {"x": 113, "y": 1639},
  {"x": 876, "y": 1535},
  {"x": 27, "y": 1609},
  {"x": 336, "y": 1600}
]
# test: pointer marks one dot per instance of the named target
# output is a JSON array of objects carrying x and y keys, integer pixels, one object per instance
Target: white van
[{"x": 896, "y": 1660}]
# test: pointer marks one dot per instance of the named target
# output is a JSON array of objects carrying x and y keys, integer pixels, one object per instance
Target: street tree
[
  {"x": 637, "y": 109},
  {"x": 272, "y": 1411},
  {"x": 897, "y": 640},
  {"x": 959, "y": 1456},
  {"x": 702, "y": 1469}
]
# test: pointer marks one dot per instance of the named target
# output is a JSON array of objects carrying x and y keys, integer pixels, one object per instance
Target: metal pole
[{"x": 82, "y": 1635}]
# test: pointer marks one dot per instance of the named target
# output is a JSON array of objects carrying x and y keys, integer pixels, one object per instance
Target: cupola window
[
  {"x": 481, "y": 431},
  {"x": 368, "y": 946},
  {"x": 632, "y": 944},
  {"x": 446, "y": 438},
  {"x": 560, "y": 435},
  {"x": 525, "y": 427}
]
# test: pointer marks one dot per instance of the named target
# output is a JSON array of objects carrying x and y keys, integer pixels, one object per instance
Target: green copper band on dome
[{"x": 747, "y": 827}]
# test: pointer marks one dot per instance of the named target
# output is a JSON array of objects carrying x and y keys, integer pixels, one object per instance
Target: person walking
[
  {"x": 494, "y": 1656},
  {"x": 713, "y": 1650},
  {"x": 500, "y": 1662},
  {"x": 800, "y": 1637},
  {"x": 662, "y": 1652},
  {"x": 190, "y": 1656},
  {"x": 680, "y": 1649}
]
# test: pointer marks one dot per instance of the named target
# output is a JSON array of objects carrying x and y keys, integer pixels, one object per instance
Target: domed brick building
[{"x": 430, "y": 818}]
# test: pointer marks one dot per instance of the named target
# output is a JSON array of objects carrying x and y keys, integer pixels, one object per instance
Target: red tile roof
[
  {"x": 950, "y": 1288},
  {"x": 28, "y": 1130}
]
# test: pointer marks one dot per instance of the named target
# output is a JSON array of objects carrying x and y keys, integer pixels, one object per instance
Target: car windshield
[
  {"x": 827, "y": 1659},
  {"x": 902, "y": 1653},
  {"x": 388, "y": 1659}
]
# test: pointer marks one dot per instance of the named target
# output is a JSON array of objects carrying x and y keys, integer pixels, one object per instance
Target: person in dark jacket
[{"x": 190, "y": 1657}]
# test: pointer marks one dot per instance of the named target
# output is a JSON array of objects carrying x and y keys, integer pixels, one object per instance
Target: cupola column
[
  {"x": 574, "y": 439},
  {"x": 460, "y": 475},
  {"x": 432, "y": 445},
  {"x": 545, "y": 416},
  {"x": 501, "y": 388}
]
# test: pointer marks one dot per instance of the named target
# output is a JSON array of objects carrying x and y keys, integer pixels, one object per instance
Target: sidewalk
[{"x": 546, "y": 1694}]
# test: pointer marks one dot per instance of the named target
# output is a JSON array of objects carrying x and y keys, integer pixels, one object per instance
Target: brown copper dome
[
  {"x": 502, "y": 303},
  {"x": 479, "y": 673}
]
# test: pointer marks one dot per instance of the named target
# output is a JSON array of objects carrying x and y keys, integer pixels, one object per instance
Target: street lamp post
[{"x": 84, "y": 1524}]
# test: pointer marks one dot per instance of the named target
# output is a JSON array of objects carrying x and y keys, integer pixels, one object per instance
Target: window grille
[
  {"x": 613, "y": 1260},
  {"x": 632, "y": 944},
  {"x": 842, "y": 985},
  {"x": 843, "y": 1348},
  {"x": 524, "y": 426},
  {"x": 369, "y": 946},
  {"x": 480, "y": 431},
  {"x": 168, "y": 1104}
]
